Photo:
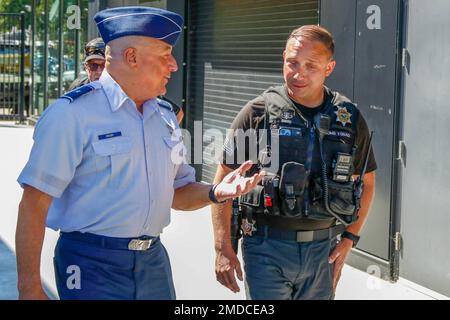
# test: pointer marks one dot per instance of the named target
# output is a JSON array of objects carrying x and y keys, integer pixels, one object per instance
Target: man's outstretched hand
[{"x": 235, "y": 183}]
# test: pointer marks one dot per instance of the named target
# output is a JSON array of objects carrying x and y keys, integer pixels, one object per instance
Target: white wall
[
  {"x": 188, "y": 239},
  {"x": 15, "y": 145}
]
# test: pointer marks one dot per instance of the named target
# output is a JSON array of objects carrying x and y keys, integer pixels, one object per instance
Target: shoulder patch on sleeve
[
  {"x": 164, "y": 104},
  {"x": 78, "y": 92}
]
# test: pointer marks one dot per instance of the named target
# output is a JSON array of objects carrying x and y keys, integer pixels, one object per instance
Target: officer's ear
[
  {"x": 330, "y": 67},
  {"x": 129, "y": 56}
]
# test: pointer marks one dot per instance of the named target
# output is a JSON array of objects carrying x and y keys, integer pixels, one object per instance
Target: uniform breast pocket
[
  {"x": 176, "y": 148},
  {"x": 113, "y": 162},
  {"x": 176, "y": 152}
]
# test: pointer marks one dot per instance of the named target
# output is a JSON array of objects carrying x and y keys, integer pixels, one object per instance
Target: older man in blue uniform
[{"x": 107, "y": 165}]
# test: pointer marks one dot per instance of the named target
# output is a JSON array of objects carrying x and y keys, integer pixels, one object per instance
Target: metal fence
[{"x": 15, "y": 68}]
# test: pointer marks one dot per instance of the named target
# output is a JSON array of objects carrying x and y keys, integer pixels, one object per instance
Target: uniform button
[
  {"x": 149, "y": 173},
  {"x": 153, "y": 201}
]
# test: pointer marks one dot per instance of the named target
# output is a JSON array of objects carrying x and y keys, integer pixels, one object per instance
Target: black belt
[
  {"x": 299, "y": 235},
  {"x": 293, "y": 224},
  {"x": 135, "y": 244}
]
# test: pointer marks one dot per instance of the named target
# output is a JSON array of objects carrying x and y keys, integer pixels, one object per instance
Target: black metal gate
[{"x": 14, "y": 59}]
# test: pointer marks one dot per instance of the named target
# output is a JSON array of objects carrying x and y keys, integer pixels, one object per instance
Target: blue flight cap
[{"x": 139, "y": 21}]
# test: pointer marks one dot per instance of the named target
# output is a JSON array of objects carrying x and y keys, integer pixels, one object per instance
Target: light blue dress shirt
[{"x": 110, "y": 169}]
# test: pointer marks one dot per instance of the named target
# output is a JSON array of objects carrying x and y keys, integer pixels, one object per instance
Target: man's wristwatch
[
  {"x": 351, "y": 236},
  {"x": 212, "y": 196}
]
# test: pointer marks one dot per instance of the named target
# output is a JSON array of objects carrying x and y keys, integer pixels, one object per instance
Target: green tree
[{"x": 15, "y": 6}]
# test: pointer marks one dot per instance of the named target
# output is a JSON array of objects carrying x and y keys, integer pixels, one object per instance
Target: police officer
[
  {"x": 94, "y": 63},
  {"x": 317, "y": 143},
  {"x": 107, "y": 165}
]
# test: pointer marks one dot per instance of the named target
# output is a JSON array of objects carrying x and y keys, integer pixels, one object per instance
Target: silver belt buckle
[
  {"x": 305, "y": 236},
  {"x": 139, "y": 245}
]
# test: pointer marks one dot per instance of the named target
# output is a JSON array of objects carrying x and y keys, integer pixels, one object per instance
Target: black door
[{"x": 367, "y": 36}]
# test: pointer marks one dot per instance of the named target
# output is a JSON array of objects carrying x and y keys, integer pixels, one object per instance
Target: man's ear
[
  {"x": 330, "y": 67},
  {"x": 284, "y": 54},
  {"x": 129, "y": 56}
]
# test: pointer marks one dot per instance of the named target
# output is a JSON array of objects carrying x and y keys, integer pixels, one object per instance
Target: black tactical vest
[{"x": 295, "y": 187}]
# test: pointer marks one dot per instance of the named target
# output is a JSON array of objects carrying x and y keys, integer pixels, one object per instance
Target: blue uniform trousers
[
  {"x": 89, "y": 267},
  {"x": 287, "y": 270}
]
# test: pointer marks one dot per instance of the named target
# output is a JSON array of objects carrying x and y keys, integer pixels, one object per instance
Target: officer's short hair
[{"x": 315, "y": 33}]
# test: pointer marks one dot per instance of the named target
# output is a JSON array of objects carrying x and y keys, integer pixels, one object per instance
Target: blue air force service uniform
[{"x": 111, "y": 172}]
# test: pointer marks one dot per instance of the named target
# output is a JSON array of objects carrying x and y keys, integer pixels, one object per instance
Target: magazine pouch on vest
[
  {"x": 341, "y": 198},
  {"x": 253, "y": 202},
  {"x": 292, "y": 187}
]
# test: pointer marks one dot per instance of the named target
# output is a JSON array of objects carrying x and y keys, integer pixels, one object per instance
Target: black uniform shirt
[{"x": 252, "y": 117}]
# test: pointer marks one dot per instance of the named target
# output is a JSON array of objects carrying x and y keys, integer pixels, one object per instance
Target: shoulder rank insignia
[
  {"x": 162, "y": 102},
  {"x": 78, "y": 92},
  {"x": 343, "y": 115}
]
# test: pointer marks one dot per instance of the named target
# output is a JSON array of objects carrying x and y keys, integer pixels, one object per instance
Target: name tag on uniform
[
  {"x": 109, "y": 135},
  {"x": 339, "y": 133}
]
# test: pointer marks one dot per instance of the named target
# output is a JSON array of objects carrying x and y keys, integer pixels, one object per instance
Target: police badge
[
  {"x": 248, "y": 228},
  {"x": 343, "y": 116},
  {"x": 287, "y": 114}
]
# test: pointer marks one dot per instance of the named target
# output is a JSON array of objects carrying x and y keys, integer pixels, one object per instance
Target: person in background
[{"x": 94, "y": 63}]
